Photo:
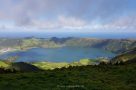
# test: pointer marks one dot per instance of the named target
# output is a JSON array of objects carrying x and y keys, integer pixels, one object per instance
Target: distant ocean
[{"x": 69, "y": 34}]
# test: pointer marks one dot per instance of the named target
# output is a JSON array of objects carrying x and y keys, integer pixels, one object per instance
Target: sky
[{"x": 68, "y": 16}]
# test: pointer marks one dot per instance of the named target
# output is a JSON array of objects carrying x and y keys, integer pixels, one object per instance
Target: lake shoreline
[{"x": 63, "y": 54}]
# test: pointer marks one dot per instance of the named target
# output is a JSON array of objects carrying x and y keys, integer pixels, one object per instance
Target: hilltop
[{"x": 113, "y": 45}]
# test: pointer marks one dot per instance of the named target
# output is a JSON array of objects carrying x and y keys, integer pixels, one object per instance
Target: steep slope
[
  {"x": 23, "y": 67},
  {"x": 127, "y": 57},
  {"x": 114, "y": 45}
]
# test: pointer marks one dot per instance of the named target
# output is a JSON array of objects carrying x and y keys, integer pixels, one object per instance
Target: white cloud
[
  {"x": 61, "y": 22},
  {"x": 68, "y": 14},
  {"x": 70, "y": 22}
]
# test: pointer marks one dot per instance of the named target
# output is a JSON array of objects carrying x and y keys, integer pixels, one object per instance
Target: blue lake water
[{"x": 64, "y": 54}]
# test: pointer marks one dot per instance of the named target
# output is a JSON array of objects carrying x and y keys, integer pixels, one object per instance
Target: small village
[{"x": 5, "y": 50}]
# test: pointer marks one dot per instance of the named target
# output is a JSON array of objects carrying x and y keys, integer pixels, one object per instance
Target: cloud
[
  {"x": 3, "y": 27},
  {"x": 69, "y": 14},
  {"x": 126, "y": 22},
  {"x": 61, "y": 22},
  {"x": 70, "y": 22}
]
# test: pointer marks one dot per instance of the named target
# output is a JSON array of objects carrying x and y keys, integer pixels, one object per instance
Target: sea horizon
[{"x": 106, "y": 35}]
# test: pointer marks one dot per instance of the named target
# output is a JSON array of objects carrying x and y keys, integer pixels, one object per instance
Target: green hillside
[
  {"x": 54, "y": 65},
  {"x": 18, "y": 66},
  {"x": 114, "y": 45},
  {"x": 3, "y": 64},
  {"x": 128, "y": 56},
  {"x": 102, "y": 77},
  {"x": 50, "y": 65},
  {"x": 23, "y": 67}
]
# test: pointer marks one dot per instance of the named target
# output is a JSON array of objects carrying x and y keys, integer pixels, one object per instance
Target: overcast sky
[{"x": 68, "y": 15}]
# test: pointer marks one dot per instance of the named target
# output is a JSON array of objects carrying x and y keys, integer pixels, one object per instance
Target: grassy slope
[
  {"x": 120, "y": 77},
  {"x": 53, "y": 65},
  {"x": 50, "y": 65},
  {"x": 3, "y": 64},
  {"x": 125, "y": 57}
]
